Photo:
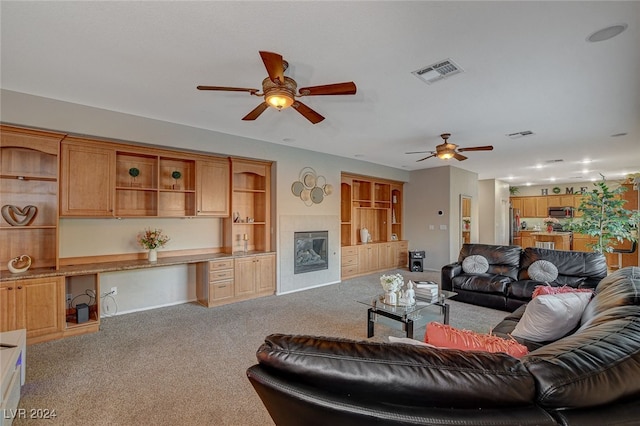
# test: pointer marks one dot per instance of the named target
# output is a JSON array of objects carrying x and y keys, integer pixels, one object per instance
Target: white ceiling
[{"x": 527, "y": 66}]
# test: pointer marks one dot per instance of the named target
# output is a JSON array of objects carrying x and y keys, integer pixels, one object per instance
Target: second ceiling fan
[
  {"x": 279, "y": 91},
  {"x": 448, "y": 150}
]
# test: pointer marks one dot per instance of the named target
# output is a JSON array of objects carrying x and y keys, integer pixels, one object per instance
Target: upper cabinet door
[
  {"x": 87, "y": 179},
  {"x": 212, "y": 188}
]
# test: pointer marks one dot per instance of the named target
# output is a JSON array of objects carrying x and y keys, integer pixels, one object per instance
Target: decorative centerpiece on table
[
  {"x": 550, "y": 221},
  {"x": 394, "y": 292},
  {"x": 152, "y": 240}
]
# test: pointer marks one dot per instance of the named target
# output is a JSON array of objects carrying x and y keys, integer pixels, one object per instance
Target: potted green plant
[{"x": 604, "y": 217}]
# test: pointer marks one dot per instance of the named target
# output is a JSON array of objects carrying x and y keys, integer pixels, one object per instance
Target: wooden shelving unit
[
  {"x": 29, "y": 177},
  {"x": 250, "y": 219}
]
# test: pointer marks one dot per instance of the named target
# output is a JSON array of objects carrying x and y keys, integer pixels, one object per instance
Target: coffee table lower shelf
[{"x": 407, "y": 316}]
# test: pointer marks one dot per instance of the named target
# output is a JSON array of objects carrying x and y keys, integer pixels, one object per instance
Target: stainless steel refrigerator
[{"x": 514, "y": 226}]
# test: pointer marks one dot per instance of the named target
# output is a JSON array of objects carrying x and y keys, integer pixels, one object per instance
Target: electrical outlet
[
  {"x": 114, "y": 290},
  {"x": 69, "y": 297}
]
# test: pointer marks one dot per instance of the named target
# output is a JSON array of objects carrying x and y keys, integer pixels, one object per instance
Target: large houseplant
[{"x": 605, "y": 217}]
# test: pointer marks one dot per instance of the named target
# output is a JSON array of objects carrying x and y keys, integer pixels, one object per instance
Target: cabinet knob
[
  {"x": 19, "y": 287},
  {"x": 9, "y": 288}
]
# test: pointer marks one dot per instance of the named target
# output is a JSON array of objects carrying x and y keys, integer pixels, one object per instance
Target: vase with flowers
[
  {"x": 550, "y": 221},
  {"x": 391, "y": 285},
  {"x": 152, "y": 240}
]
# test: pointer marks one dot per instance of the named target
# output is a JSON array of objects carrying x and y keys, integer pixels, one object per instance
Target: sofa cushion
[
  {"x": 484, "y": 283},
  {"x": 575, "y": 268},
  {"x": 445, "y": 336},
  {"x": 475, "y": 264},
  {"x": 503, "y": 260},
  {"x": 549, "y": 289},
  {"x": 621, "y": 288},
  {"x": 551, "y": 316},
  {"x": 543, "y": 270}
]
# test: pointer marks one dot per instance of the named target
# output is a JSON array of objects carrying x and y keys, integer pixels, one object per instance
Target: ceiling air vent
[
  {"x": 438, "y": 71},
  {"x": 522, "y": 134}
]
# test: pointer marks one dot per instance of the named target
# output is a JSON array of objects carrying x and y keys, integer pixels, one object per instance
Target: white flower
[{"x": 392, "y": 282}]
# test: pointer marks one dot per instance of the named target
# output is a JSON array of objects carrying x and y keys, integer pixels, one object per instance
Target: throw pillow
[
  {"x": 551, "y": 316},
  {"x": 543, "y": 270},
  {"x": 548, "y": 289},
  {"x": 475, "y": 264},
  {"x": 445, "y": 336}
]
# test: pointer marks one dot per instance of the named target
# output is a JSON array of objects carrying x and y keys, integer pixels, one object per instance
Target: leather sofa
[
  {"x": 507, "y": 285},
  {"x": 590, "y": 377}
]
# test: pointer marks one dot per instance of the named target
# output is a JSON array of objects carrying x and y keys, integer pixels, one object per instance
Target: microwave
[{"x": 560, "y": 212}]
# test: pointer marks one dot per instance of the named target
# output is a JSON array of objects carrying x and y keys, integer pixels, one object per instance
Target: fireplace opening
[{"x": 310, "y": 251}]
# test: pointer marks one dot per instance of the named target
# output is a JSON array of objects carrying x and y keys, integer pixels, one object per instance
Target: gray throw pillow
[
  {"x": 543, "y": 270},
  {"x": 475, "y": 264}
]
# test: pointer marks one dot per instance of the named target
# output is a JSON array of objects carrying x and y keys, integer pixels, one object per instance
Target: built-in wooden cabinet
[
  {"x": 254, "y": 276},
  {"x": 375, "y": 204},
  {"x": 29, "y": 192},
  {"x": 538, "y": 206},
  {"x": 249, "y": 227},
  {"x": 104, "y": 179},
  {"x": 87, "y": 179},
  {"x": 35, "y": 304},
  {"x": 215, "y": 282},
  {"x": 212, "y": 198}
]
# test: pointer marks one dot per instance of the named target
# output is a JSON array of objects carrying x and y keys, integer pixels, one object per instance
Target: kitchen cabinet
[
  {"x": 87, "y": 179},
  {"x": 529, "y": 207},
  {"x": 213, "y": 181},
  {"x": 542, "y": 206},
  {"x": 254, "y": 276},
  {"x": 526, "y": 239},
  {"x": 34, "y": 304}
]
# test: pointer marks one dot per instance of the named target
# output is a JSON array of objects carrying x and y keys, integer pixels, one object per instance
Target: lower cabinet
[
  {"x": 35, "y": 304},
  {"x": 215, "y": 282},
  {"x": 223, "y": 281},
  {"x": 367, "y": 258}
]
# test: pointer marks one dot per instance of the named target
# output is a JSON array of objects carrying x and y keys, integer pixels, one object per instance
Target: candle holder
[{"x": 245, "y": 239}]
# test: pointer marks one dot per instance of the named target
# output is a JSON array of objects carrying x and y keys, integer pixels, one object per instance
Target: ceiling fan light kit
[
  {"x": 447, "y": 150},
  {"x": 279, "y": 91}
]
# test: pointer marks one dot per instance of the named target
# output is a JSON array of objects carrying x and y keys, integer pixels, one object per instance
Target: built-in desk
[
  {"x": 560, "y": 240},
  {"x": 38, "y": 298}
]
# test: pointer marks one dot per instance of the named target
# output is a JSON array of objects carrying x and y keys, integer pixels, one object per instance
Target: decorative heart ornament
[
  {"x": 15, "y": 216},
  {"x": 19, "y": 264}
]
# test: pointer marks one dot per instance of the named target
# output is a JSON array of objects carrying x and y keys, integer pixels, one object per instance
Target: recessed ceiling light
[
  {"x": 606, "y": 33},
  {"x": 586, "y": 161}
]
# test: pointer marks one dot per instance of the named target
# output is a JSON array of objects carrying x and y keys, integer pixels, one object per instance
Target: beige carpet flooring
[{"x": 186, "y": 364}]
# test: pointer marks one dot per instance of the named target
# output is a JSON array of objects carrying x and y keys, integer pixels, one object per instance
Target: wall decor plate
[
  {"x": 317, "y": 195},
  {"x": 297, "y": 188},
  {"x": 16, "y": 216}
]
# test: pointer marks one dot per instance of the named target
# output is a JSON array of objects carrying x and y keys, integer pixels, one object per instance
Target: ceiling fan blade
[
  {"x": 228, "y": 89},
  {"x": 347, "y": 88},
  {"x": 419, "y": 152},
  {"x": 422, "y": 159},
  {"x": 273, "y": 62},
  {"x": 459, "y": 157},
  {"x": 477, "y": 148},
  {"x": 307, "y": 112},
  {"x": 256, "y": 111}
]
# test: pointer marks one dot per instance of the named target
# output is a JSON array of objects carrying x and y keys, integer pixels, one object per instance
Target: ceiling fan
[
  {"x": 279, "y": 91},
  {"x": 447, "y": 150}
]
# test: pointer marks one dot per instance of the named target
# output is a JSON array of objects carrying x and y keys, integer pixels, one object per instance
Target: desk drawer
[
  {"x": 220, "y": 290},
  {"x": 215, "y": 265},
  {"x": 218, "y": 275}
]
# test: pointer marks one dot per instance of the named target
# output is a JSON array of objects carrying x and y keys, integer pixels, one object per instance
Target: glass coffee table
[{"x": 411, "y": 317}]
